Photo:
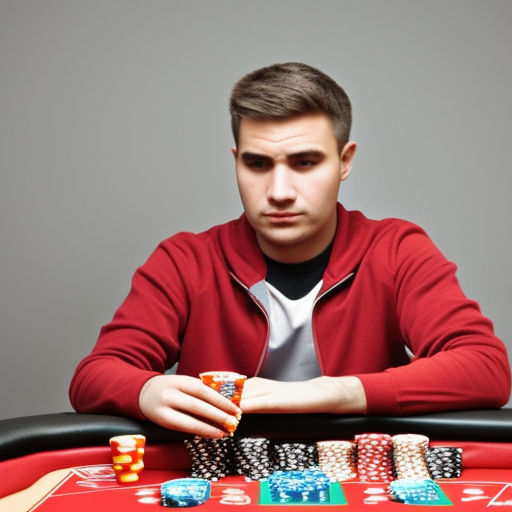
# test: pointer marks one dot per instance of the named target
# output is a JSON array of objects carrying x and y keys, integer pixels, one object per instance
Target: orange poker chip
[
  {"x": 127, "y": 456},
  {"x": 228, "y": 384}
]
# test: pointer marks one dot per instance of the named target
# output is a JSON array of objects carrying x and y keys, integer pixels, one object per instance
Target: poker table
[{"x": 62, "y": 462}]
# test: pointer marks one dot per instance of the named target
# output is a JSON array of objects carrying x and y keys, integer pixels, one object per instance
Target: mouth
[{"x": 282, "y": 217}]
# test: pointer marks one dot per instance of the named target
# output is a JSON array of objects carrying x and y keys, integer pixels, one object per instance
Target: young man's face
[{"x": 289, "y": 173}]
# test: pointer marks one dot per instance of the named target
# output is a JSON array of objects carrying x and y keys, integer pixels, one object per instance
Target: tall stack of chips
[
  {"x": 374, "y": 457},
  {"x": 210, "y": 458},
  {"x": 409, "y": 456},
  {"x": 337, "y": 459},
  {"x": 294, "y": 456},
  {"x": 444, "y": 462},
  {"x": 251, "y": 457}
]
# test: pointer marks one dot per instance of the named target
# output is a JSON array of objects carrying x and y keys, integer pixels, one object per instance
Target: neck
[{"x": 301, "y": 250}]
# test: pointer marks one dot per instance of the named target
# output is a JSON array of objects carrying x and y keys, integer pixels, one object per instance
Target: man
[{"x": 323, "y": 309}]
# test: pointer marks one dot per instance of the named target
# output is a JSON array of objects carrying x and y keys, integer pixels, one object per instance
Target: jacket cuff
[{"x": 381, "y": 394}]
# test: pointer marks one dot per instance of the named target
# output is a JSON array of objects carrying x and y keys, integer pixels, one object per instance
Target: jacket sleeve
[
  {"x": 457, "y": 362},
  {"x": 140, "y": 342}
]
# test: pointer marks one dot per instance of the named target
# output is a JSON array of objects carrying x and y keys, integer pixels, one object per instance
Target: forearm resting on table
[{"x": 335, "y": 395}]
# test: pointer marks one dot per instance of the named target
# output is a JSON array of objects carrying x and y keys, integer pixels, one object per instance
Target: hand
[
  {"x": 336, "y": 395},
  {"x": 184, "y": 403}
]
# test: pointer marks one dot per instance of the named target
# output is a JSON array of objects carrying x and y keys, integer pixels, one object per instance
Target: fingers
[
  {"x": 195, "y": 403},
  {"x": 186, "y": 404},
  {"x": 185, "y": 422}
]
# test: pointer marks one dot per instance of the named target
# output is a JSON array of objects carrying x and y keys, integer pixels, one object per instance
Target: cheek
[
  {"x": 322, "y": 191},
  {"x": 249, "y": 191}
]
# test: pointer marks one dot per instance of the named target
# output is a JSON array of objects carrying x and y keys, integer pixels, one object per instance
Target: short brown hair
[{"x": 287, "y": 90}]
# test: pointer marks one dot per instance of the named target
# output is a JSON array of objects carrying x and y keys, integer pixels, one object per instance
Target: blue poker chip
[
  {"x": 417, "y": 492},
  {"x": 184, "y": 492},
  {"x": 310, "y": 486}
]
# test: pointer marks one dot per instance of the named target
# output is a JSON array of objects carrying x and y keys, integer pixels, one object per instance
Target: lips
[{"x": 282, "y": 217}]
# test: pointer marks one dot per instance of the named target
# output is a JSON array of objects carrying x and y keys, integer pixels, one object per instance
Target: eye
[
  {"x": 305, "y": 163},
  {"x": 258, "y": 165},
  {"x": 306, "y": 160}
]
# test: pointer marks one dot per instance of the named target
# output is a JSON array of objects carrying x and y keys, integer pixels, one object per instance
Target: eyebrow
[
  {"x": 312, "y": 153},
  {"x": 247, "y": 155}
]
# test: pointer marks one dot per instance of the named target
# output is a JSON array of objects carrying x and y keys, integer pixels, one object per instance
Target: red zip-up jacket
[{"x": 386, "y": 287}]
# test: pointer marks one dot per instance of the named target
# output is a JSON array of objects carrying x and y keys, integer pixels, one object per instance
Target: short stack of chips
[
  {"x": 409, "y": 456},
  {"x": 229, "y": 384},
  {"x": 444, "y": 462},
  {"x": 311, "y": 486},
  {"x": 294, "y": 456},
  {"x": 184, "y": 492},
  {"x": 416, "y": 492},
  {"x": 337, "y": 459},
  {"x": 374, "y": 457},
  {"x": 127, "y": 457},
  {"x": 210, "y": 458},
  {"x": 251, "y": 457}
]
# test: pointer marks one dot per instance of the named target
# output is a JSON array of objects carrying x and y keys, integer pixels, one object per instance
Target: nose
[{"x": 281, "y": 187}]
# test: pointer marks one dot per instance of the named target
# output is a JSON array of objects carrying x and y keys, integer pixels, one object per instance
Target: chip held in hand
[
  {"x": 127, "y": 457},
  {"x": 229, "y": 384}
]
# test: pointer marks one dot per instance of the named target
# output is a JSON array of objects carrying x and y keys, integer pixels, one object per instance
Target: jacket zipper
[
  {"x": 265, "y": 314},
  {"x": 318, "y": 298}
]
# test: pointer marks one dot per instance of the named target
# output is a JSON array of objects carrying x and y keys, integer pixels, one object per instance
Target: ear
[
  {"x": 235, "y": 152},
  {"x": 346, "y": 158}
]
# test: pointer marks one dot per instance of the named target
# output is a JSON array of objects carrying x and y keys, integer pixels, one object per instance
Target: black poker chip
[
  {"x": 444, "y": 462},
  {"x": 210, "y": 458},
  {"x": 294, "y": 456},
  {"x": 251, "y": 457}
]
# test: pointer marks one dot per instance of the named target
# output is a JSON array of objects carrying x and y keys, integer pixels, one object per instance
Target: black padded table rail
[{"x": 31, "y": 434}]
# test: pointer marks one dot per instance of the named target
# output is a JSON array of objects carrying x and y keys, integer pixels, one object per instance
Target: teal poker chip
[
  {"x": 184, "y": 492},
  {"x": 417, "y": 492},
  {"x": 299, "y": 487}
]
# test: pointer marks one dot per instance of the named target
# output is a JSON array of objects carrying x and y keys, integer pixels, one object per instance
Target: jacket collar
[{"x": 354, "y": 233}]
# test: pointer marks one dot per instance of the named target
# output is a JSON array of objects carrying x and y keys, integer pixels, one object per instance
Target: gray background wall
[{"x": 114, "y": 134}]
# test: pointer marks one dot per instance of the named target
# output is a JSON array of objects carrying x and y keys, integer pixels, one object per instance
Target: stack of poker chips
[
  {"x": 251, "y": 457},
  {"x": 444, "y": 462},
  {"x": 184, "y": 492},
  {"x": 311, "y": 486},
  {"x": 374, "y": 457},
  {"x": 337, "y": 459},
  {"x": 294, "y": 456},
  {"x": 127, "y": 457},
  {"x": 415, "y": 492},
  {"x": 229, "y": 384},
  {"x": 409, "y": 456},
  {"x": 210, "y": 458}
]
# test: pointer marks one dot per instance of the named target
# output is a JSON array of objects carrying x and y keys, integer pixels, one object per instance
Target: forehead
[{"x": 305, "y": 132}]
